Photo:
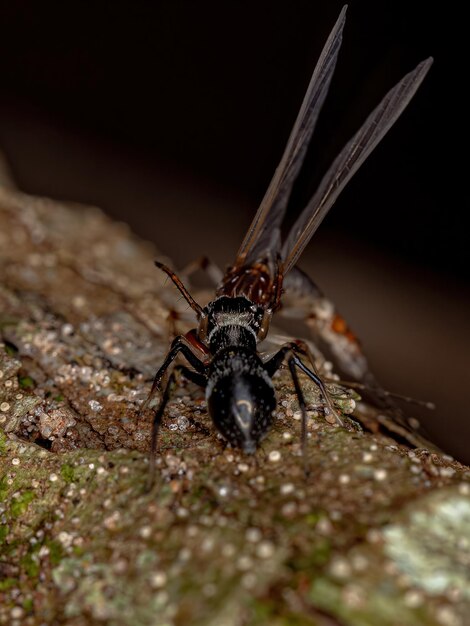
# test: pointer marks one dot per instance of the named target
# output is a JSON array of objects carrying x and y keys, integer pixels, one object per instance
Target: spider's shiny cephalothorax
[{"x": 223, "y": 318}]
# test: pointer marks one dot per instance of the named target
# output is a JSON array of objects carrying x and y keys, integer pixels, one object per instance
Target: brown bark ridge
[{"x": 378, "y": 534}]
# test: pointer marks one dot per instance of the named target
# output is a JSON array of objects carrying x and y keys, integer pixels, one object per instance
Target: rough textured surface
[{"x": 378, "y": 533}]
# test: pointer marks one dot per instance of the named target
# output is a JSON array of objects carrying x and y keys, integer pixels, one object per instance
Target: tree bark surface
[{"x": 377, "y": 535}]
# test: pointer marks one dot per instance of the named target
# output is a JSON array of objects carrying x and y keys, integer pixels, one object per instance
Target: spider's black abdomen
[{"x": 240, "y": 397}]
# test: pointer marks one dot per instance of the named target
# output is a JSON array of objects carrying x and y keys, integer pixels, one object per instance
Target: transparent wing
[
  {"x": 349, "y": 161},
  {"x": 272, "y": 208}
]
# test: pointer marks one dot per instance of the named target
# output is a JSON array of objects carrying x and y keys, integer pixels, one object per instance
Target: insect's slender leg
[
  {"x": 178, "y": 345},
  {"x": 182, "y": 289},
  {"x": 204, "y": 263},
  {"x": 194, "y": 377},
  {"x": 303, "y": 410}
]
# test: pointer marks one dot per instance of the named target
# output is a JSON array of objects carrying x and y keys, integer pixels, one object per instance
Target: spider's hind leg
[
  {"x": 180, "y": 345},
  {"x": 290, "y": 352},
  {"x": 331, "y": 413},
  {"x": 303, "y": 410},
  {"x": 195, "y": 377},
  {"x": 294, "y": 349}
]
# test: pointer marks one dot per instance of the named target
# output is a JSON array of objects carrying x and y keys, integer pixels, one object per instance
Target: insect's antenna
[
  {"x": 182, "y": 289},
  {"x": 303, "y": 410},
  {"x": 390, "y": 394}
]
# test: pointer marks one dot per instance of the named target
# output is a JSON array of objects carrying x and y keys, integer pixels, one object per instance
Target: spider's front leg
[
  {"x": 187, "y": 348},
  {"x": 183, "y": 345},
  {"x": 290, "y": 352}
]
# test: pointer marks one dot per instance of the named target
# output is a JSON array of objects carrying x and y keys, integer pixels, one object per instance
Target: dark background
[{"x": 172, "y": 116}]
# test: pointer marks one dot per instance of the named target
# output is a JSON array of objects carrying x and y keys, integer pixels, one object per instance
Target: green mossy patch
[
  {"x": 68, "y": 473},
  {"x": 20, "y": 504},
  {"x": 7, "y": 583},
  {"x": 26, "y": 382},
  {"x": 4, "y": 530},
  {"x": 3, "y": 443}
]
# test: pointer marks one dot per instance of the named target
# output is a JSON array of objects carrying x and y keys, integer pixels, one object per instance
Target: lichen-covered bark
[{"x": 377, "y": 535}]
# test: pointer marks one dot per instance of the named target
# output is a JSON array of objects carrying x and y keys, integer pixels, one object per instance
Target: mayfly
[{"x": 222, "y": 351}]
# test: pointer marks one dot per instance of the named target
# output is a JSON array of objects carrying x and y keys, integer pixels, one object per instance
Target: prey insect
[{"x": 222, "y": 351}]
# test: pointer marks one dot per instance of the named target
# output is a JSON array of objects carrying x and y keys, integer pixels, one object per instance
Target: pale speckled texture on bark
[{"x": 378, "y": 534}]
